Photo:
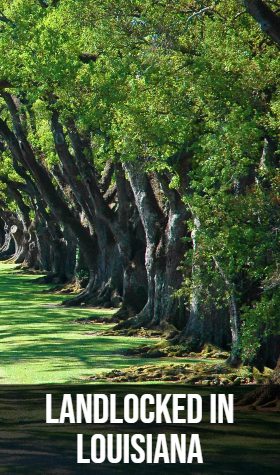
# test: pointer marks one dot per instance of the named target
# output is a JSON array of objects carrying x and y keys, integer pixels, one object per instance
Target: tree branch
[
  {"x": 198, "y": 13},
  {"x": 268, "y": 20},
  {"x": 4, "y": 83},
  {"x": 6, "y": 20},
  {"x": 43, "y": 3}
]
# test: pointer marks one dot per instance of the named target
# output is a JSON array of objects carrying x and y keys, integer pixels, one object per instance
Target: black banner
[{"x": 29, "y": 445}]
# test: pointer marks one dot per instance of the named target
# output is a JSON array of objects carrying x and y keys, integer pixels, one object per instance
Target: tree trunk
[
  {"x": 169, "y": 309},
  {"x": 234, "y": 359},
  {"x": 193, "y": 331},
  {"x": 8, "y": 247},
  {"x": 207, "y": 323},
  {"x": 151, "y": 218},
  {"x": 164, "y": 252}
]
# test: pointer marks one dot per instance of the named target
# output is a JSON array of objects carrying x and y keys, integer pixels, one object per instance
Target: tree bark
[
  {"x": 8, "y": 248},
  {"x": 164, "y": 251}
]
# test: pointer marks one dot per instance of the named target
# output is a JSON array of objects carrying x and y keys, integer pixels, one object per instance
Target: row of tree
[{"x": 140, "y": 156}]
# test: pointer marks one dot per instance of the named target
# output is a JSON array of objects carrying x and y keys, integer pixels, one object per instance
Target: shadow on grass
[{"x": 45, "y": 338}]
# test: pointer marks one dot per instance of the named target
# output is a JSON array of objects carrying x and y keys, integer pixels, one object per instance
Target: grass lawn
[{"x": 40, "y": 343}]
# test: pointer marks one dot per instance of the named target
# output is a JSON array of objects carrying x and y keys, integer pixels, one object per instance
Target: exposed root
[
  {"x": 51, "y": 278},
  {"x": 133, "y": 323},
  {"x": 201, "y": 373},
  {"x": 167, "y": 349},
  {"x": 24, "y": 269},
  {"x": 105, "y": 297},
  {"x": 101, "y": 319},
  {"x": 83, "y": 298},
  {"x": 262, "y": 398},
  {"x": 124, "y": 313},
  {"x": 71, "y": 287},
  {"x": 132, "y": 332}
]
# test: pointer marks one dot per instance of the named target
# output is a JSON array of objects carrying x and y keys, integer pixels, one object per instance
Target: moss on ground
[
  {"x": 202, "y": 373},
  {"x": 165, "y": 348}
]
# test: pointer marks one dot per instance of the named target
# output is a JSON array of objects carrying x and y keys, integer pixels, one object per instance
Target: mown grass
[{"x": 41, "y": 343}]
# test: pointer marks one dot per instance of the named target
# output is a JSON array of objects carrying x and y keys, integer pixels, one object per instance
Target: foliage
[{"x": 154, "y": 82}]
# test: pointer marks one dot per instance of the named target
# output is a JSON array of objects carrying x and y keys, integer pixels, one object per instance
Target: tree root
[
  {"x": 264, "y": 397},
  {"x": 105, "y": 297},
  {"x": 51, "y": 278}
]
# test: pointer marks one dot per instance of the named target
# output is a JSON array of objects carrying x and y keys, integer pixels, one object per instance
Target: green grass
[{"x": 40, "y": 343}]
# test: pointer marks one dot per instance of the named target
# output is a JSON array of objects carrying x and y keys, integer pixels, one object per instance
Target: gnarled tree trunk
[{"x": 164, "y": 252}]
